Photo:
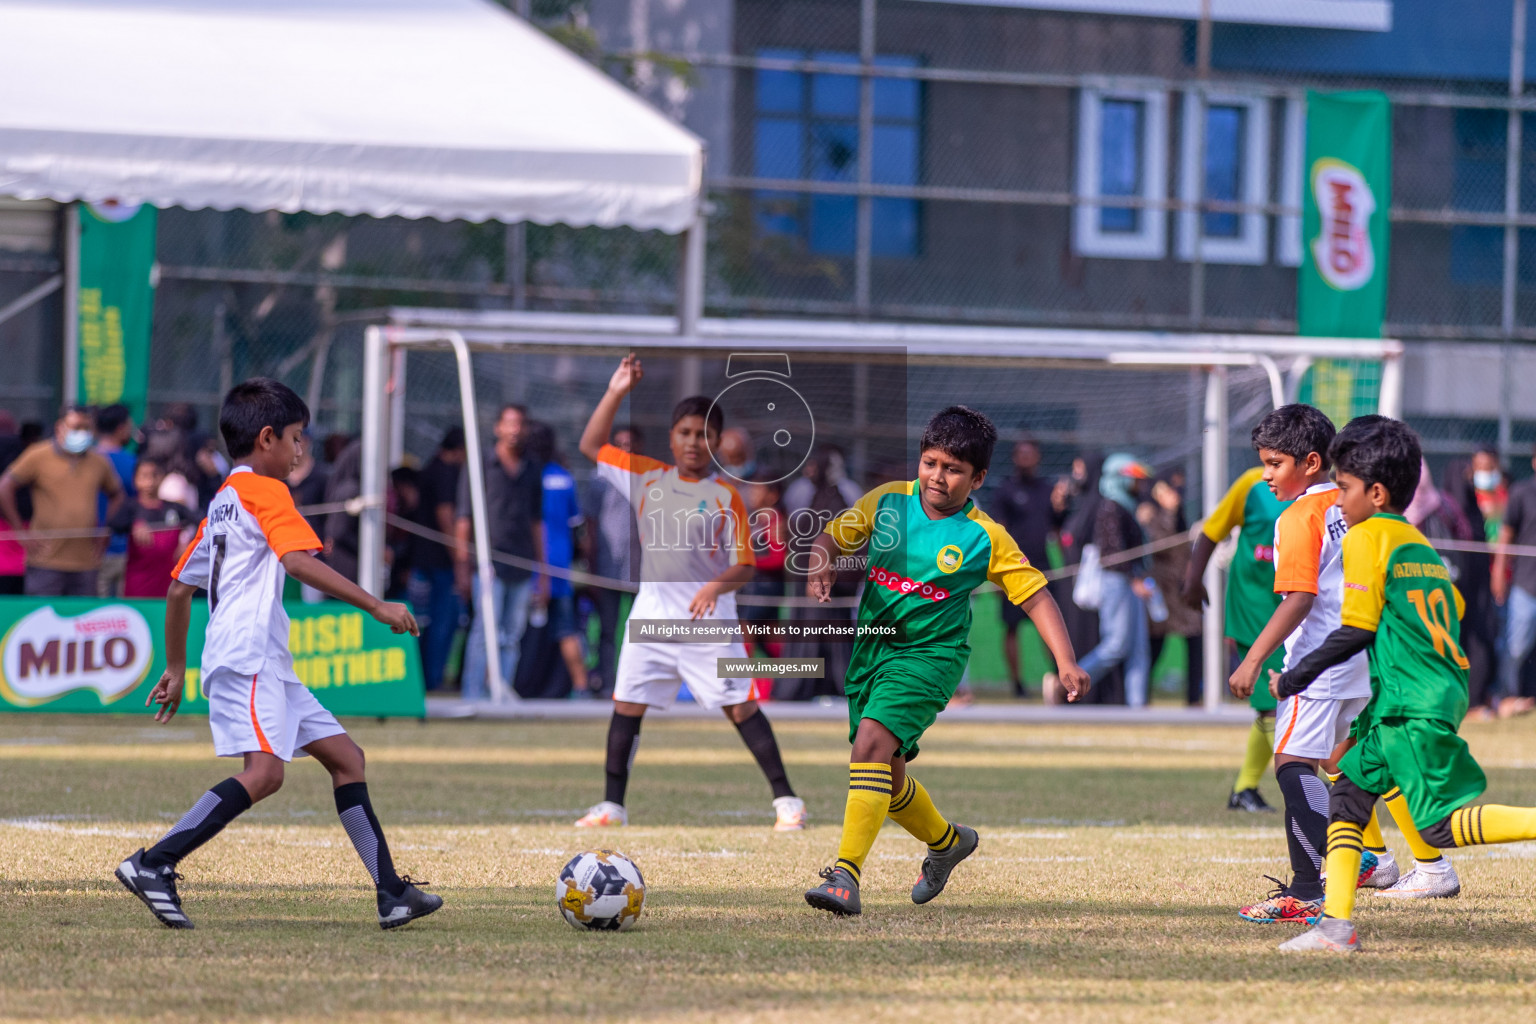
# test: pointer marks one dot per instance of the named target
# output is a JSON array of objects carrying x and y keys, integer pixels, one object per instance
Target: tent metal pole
[
  {"x": 1213, "y": 487},
  {"x": 474, "y": 463},
  {"x": 690, "y": 285},
  {"x": 1390, "y": 401},
  {"x": 370, "y": 525},
  {"x": 26, "y": 300},
  {"x": 71, "y": 304}
]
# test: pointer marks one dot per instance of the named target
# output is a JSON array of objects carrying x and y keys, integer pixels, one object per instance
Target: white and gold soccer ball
[{"x": 600, "y": 891}]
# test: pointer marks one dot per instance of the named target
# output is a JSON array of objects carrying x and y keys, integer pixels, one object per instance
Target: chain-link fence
[{"x": 1033, "y": 164}]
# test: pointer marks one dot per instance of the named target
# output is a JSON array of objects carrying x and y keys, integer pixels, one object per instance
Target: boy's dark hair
[
  {"x": 699, "y": 405},
  {"x": 111, "y": 419},
  {"x": 1380, "y": 450},
  {"x": 1295, "y": 430},
  {"x": 453, "y": 439},
  {"x": 961, "y": 433},
  {"x": 539, "y": 444},
  {"x": 254, "y": 404},
  {"x": 150, "y": 460},
  {"x": 402, "y": 476}
]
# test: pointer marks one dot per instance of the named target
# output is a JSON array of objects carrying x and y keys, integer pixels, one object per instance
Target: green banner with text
[
  {"x": 116, "y": 303},
  {"x": 75, "y": 654}
]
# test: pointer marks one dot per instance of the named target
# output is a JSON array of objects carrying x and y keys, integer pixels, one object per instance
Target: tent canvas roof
[{"x": 414, "y": 108}]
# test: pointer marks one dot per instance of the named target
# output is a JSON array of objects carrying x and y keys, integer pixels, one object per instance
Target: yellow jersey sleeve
[
  {"x": 1365, "y": 553},
  {"x": 1228, "y": 514},
  {"x": 852, "y": 527},
  {"x": 1008, "y": 568}
]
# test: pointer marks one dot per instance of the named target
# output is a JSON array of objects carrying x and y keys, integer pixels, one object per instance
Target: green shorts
[
  {"x": 1261, "y": 699},
  {"x": 904, "y": 690},
  {"x": 1422, "y": 757}
]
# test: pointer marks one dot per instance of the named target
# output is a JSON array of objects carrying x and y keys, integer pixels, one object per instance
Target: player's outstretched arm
[
  {"x": 732, "y": 579},
  {"x": 1042, "y": 611},
  {"x": 823, "y": 568},
  {"x": 600, "y": 426},
  {"x": 1337, "y": 647},
  {"x": 178, "y": 618},
  {"x": 1294, "y": 607},
  {"x": 1193, "y": 592},
  {"x": 309, "y": 570}
]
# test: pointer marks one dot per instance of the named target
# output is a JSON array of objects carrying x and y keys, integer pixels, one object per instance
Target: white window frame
[
  {"x": 1293, "y": 157},
  {"x": 1251, "y": 245},
  {"x": 1150, "y": 241}
]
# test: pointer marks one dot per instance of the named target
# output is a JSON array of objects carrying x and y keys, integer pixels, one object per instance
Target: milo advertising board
[{"x": 84, "y": 655}]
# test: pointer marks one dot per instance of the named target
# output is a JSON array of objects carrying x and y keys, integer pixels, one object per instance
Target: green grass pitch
[{"x": 1105, "y": 888}]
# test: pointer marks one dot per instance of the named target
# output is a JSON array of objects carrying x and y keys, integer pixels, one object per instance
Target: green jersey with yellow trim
[
  {"x": 1396, "y": 586},
  {"x": 921, "y": 571},
  {"x": 1250, "y": 508}
]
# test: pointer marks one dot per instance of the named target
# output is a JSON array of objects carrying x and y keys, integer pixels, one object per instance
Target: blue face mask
[
  {"x": 77, "y": 442},
  {"x": 1486, "y": 479}
]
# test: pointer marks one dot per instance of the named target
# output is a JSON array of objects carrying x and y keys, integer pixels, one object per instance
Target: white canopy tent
[{"x": 451, "y": 109}]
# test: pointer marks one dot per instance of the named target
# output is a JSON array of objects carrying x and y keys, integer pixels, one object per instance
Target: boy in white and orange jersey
[
  {"x": 695, "y": 553},
  {"x": 253, "y": 539}
]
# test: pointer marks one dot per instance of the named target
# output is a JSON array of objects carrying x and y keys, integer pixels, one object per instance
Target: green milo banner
[
  {"x": 116, "y": 302},
  {"x": 1342, "y": 287},
  {"x": 84, "y": 655}
]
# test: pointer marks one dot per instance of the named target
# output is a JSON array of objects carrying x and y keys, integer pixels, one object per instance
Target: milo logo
[
  {"x": 1342, "y": 249},
  {"x": 46, "y": 655}
]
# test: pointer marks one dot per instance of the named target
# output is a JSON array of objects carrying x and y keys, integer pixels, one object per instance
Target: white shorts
[
  {"x": 1312, "y": 727},
  {"x": 267, "y": 712},
  {"x": 650, "y": 674}
]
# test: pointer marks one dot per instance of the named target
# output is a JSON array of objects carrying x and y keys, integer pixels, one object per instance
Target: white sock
[{"x": 1434, "y": 867}]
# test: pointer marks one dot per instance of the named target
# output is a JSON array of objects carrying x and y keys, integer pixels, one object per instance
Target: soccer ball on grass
[{"x": 600, "y": 891}]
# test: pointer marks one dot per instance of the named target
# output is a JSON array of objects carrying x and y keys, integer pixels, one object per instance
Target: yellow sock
[
  {"x": 1256, "y": 760},
  {"x": 1493, "y": 823},
  {"x": 1397, "y": 806},
  {"x": 913, "y": 810},
  {"x": 869, "y": 798},
  {"x": 1344, "y": 848},
  {"x": 1373, "y": 839}
]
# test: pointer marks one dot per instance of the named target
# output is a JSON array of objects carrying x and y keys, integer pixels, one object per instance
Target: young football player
[
  {"x": 1250, "y": 508},
  {"x": 1400, "y": 606},
  {"x": 252, "y": 539},
  {"x": 930, "y": 546},
  {"x": 695, "y": 553}
]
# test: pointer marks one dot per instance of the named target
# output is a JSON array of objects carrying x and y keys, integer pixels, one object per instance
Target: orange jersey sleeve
[
  {"x": 629, "y": 462},
  {"x": 1299, "y": 534},
  {"x": 741, "y": 535},
  {"x": 270, "y": 501}
]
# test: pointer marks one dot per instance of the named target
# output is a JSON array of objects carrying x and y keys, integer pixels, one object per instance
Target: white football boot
[
  {"x": 1386, "y": 873},
  {"x": 1425, "y": 884},
  {"x": 1329, "y": 935},
  {"x": 790, "y": 812},
  {"x": 603, "y": 815}
]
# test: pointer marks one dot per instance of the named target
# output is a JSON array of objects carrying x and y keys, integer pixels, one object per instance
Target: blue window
[
  {"x": 1225, "y": 132},
  {"x": 1120, "y": 167},
  {"x": 807, "y": 129}
]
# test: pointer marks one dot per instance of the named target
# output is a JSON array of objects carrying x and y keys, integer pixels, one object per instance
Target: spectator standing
[
  {"x": 438, "y": 608},
  {"x": 614, "y": 541},
  {"x": 1514, "y": 587},
  {"x": 1123, "y": 632},
  {"x": 1023, "y": 505},
  {"x": 514, "y": 502},
  {"x": 403, "y": 503},
  {"x": 821, "y": 494},
  {"x": 66, "y": 478},
  {"x": 1492, "y": 491},
  {"x": 1076, "y": 500},
  {"x": 156, "y": 532},
  {"x": 114, "y": 432},
  {"x": 307, "y": 482},
  {"x": 343, "y": 483},
  {"x": 13, "y": 557},
  {"x": 1474, "y": 578},
  {"x": 1162, "y": 518},
  {"x": 561, "y": 518}
]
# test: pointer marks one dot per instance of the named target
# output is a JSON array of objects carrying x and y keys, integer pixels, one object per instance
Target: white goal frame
[{"x": 1283, "y": 358}]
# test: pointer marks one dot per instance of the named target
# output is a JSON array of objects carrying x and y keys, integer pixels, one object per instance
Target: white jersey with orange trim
[
  {"x": 237, "y": 557},
  {"x": 690, "y": 530},
  {"x": 1309, "y": 558}
]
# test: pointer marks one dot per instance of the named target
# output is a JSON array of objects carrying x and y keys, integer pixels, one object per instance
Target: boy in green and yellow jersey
[
  {"x": 1250, "y": 508},
  {"x": 929, "y": 548},
  {"x": 1400, "y": 605}
]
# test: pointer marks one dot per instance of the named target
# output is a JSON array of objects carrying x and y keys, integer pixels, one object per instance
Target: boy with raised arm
[{"x": 695, "y": 553}]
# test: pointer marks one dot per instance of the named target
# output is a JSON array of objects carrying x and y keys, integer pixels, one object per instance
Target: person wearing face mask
[
  {"x": 1514, "y": 587},
  {"x": 66, "y": 476},
  {"x": 1492, "y": 494},
  {"x": 1123, "y": 626}
]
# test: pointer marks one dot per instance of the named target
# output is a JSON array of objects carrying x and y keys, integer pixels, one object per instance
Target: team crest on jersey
[{"x": 950, "y": 557}]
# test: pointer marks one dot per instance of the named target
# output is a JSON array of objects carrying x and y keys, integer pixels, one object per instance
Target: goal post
[{"x": 1183, "y": 401}]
